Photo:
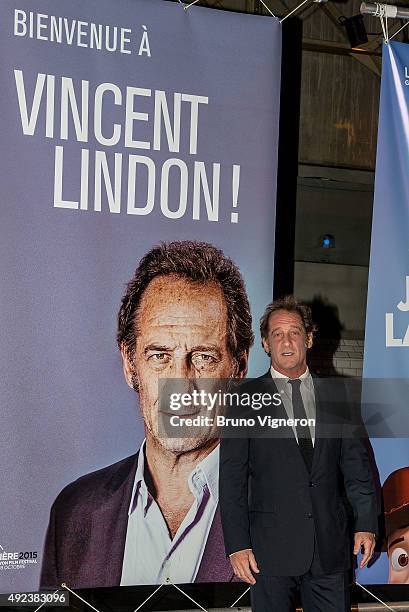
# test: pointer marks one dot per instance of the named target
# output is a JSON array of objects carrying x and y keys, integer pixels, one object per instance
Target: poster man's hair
[{"x": 198, "y": 262}]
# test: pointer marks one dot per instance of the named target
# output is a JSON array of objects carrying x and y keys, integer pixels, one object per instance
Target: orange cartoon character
[{"x": 396, "y": 509}]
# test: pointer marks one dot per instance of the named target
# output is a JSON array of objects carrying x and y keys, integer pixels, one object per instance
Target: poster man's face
[
  {"x": 182, "y": 333},
  {"x": 398, "y": 553},
  {"x": 287, "y": 343}
]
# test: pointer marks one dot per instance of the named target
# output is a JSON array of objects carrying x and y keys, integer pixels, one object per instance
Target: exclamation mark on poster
[{"x": 234, "y": 217}]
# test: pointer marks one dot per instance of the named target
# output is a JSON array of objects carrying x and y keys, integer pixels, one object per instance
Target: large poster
[
  {"x": 386, "y": 364},
  {"x": 125, "y": 124}
]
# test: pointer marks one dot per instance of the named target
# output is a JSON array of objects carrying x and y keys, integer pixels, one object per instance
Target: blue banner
[{"x": 387, "y": 322}]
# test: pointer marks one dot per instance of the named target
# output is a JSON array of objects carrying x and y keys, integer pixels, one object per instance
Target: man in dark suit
[
  {"x": 284, "y": 501},
  {"x": 154, "y": 516}
]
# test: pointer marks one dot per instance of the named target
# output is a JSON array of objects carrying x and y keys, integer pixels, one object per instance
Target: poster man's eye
[
  {"x": 202, "y": 359},
  {"x": 159, "y": 358},
  {"x": 399, "y": 559}
]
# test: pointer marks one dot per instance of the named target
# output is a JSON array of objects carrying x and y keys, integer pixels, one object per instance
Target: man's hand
[
  {"x": 366, "y": 541},
  {"x": 243, "y": 563}
]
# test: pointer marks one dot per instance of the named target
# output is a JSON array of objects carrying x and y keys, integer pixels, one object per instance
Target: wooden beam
[{"x": 337, "y": 48}]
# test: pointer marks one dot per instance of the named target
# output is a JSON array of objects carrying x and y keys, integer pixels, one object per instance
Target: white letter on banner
[
  {"x": 390, "y": 340},
  {"x": 164, "y": 191},
  {"x": 194, "y": 117},
  {"x": 58, "y": 174},
  {"x": 29, "y": 124},
  {"x": 81, "y": 33},
  {"x": 404, "y": 306},
  {"x": 200, "y": 180},
  {"x": 131, "y": 116},
  {"x": 96, "y": 36},
  {"x": 144, "y": 46},
  {"x": 101, "y": 169},
  {"x": 99, "y": 92},
  {"x": 69, "y": 30},
  {"x": 150, "y": 201},
  {"x": 22, "y": 22},
  {"x": 41, "y": 26},
  {"x": 68, "y": 96},
  {"x": 161, "y": 109},
  {"x": 124, "y": 40},
  {"x": 56, "y": 29}
]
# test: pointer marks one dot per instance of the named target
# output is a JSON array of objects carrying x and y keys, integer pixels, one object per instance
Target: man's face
[
  {"x": 287, "y": 343},
  {"x": 398, "y": 553},
  {"x": 182, "y": 333}
]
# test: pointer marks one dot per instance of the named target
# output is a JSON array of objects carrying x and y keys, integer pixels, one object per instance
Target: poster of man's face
[
  {"x": 182, "y": 333},
  {"x": 185, "y": 315}
]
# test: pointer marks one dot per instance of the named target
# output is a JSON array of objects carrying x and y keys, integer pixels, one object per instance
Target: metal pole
[{"x": 388, "y": 10}]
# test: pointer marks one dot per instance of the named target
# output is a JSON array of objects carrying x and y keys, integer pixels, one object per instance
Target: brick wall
[{"x": 337, "y": 357}]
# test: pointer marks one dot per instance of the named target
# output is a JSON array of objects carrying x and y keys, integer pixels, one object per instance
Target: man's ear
[
  {"x": 309, "y": 341},
  {"x": 127, "y": 367},
  {"x": 265, "y": 346}
]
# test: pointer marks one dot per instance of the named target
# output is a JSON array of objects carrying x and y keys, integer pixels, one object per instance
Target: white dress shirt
[
  {"x": 307, "y": 394},
  {"x": 151, "y": 556}
]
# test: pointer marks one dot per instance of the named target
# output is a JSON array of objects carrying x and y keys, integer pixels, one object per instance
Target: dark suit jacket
[
  {"x": 86, "y": 535},
  {"x": 271, "y": 503}
]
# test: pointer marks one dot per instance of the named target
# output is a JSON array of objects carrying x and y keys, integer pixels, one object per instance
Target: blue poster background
[
  {"x": 386, "y": 352},
  {"x": 66, "y": 409}
]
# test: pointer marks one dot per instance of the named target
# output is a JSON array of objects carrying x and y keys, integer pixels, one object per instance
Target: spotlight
[
  {"x": 328, "y": 241},
  {"x": 355, "y": 29}
]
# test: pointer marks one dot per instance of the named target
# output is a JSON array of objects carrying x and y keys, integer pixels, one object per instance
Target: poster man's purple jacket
[{"x": 86, "y": 535}]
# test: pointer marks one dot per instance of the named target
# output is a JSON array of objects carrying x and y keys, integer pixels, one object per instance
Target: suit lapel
[
  {"x": 319, "y": 417},
  {"x": 215, "y": 566},
  {"x": 103, "y": 559},
  {"x": 271, "y": 386}
]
